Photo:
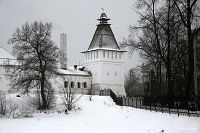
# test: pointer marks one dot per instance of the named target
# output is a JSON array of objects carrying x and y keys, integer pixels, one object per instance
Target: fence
[
  {"x": 175, "y": 106},
  {"x": 109, "y": 92}
]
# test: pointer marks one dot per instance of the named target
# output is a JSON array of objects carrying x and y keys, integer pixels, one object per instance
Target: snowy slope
[{"x": 102, "y": 116}]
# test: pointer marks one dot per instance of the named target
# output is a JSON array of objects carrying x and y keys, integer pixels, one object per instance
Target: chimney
[
  {"x": 63, "y": 49},
  {"x": 75, "y": 67}
]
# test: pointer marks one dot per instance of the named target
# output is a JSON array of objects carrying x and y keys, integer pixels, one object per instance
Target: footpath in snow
[{"x": 102, "y": 115}]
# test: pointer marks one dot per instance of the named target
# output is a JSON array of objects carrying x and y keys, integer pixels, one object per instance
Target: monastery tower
[{"x": 105, "y": 60}]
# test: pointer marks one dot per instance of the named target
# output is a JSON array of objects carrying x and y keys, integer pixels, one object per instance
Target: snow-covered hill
[{"x": 101, "y": 115}]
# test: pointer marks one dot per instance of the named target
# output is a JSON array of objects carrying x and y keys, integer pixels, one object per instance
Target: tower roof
[
  {"x": 103, "y": 37},
  {"x": 6, "y": 58}
]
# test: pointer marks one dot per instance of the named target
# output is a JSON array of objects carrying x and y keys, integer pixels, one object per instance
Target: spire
[
  {"x": 103, "y": 18},
  {"x": 103, "y": 36}
]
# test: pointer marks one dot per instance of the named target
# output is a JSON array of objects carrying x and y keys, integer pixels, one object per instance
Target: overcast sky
[{"x": 76, "y": 18}]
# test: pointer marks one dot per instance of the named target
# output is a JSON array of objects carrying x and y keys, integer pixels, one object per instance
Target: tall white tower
[
  {"x": 63, "y": 48},
  {"x": 105, "y": 59}
]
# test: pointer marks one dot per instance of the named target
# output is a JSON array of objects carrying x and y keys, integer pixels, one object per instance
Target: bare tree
[
  {"x": 50, "y": 97},
  {"x": 3, "y": 104},
  {"x": 37, "y": 56},
  {"x": 10, "y": 109},
  {"x": 132, "y": 84},
  {"x": 68, "y": 93},
  {"x": 189, "y": 13},
  {"x": 160, "y": 39}
]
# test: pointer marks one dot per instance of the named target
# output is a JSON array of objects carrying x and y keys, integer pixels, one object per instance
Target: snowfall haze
[{"x": 76, "y": 18}]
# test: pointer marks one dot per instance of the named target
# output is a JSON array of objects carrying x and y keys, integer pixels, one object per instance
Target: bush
[{"x": 10, "y": 109}]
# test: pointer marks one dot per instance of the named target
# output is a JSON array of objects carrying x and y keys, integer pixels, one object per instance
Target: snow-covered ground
[{"x": 101, "y": 115}]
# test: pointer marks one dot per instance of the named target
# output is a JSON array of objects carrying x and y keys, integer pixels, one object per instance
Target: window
[
  {"x": 79, "y": 85},
  {"x": 108, "y": 54},
  {"x": 91, "y": 55},
  {"x": 94, "y": 53},
  {"x": 85, "y": 84},
  {"x": 97, "y": 54},
  {"x": 112, "y": 54},
  {"x": 72, "y": 85},
  {"x": 115, "y": 55},
  {"x": 66, "y": 84},
  {"x": 120, "y": 55},
  {"x": 88, "y": 56},
  {"x": 104, "y": 53}
]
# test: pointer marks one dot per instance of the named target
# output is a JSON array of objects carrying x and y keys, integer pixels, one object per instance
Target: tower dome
[{"x": 103, "y": 37}]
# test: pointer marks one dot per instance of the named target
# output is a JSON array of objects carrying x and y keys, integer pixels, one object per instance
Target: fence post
[
  {"x": 109, "y": 92},
  {"x": 188, "y": 108},
  {"x": 128, "y": 101},
  {"x": 177, "y": 109},
  {"x": 124, "y": 101},
  {"x": 150, "y": 104},
  {"x": 136, "y": 102},
  {"x": 132, "y": 101},
  {"x": 145, "y": 106}
]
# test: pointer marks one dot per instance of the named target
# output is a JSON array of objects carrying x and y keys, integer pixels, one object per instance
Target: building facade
[{"x": 103, "y": 67}]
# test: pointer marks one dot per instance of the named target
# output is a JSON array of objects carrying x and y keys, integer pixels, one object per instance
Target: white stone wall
[
  {"x": 106, "y": 67},
  {"x": 58, "y": 82},
  {"x": 4, "y": 80}
]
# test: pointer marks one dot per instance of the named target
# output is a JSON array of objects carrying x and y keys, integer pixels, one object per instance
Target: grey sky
[{"x": 76, "y": 18}]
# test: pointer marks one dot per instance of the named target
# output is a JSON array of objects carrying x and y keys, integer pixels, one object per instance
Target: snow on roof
[
  {"x": 72, "y": 71},
  {"x": 7, "y": 58},
  {"x": 109, "y": 49}
]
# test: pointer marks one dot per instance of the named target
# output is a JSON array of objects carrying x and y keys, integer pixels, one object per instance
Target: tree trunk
[
  {"x": 169, "y": 82},
  {"x": 189, "y": 85},
  {"x": 44, "y": 100}
]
